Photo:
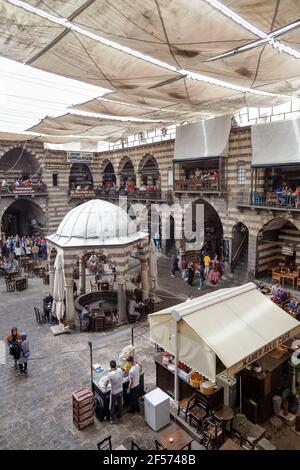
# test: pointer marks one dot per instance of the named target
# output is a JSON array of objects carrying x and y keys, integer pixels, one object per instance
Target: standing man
[
  {"x": 115, "y": 377},
  {"x": 25, "y": 353},
  {"x": 201, "y": 277},
  {"x": 134, "y": 382},
  {"x": 207, "y": 261}
]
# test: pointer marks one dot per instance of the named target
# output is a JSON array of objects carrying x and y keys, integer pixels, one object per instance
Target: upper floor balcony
[
  {"x": 276, "y": 189},
  {"x": 146, "y": 194},
  {"x": 203, "y": 176},
  {"x": 22, "y": 188}
]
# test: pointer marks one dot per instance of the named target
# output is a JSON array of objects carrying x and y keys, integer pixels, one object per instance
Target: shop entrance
[
  {"x": 213, "y": 229},
  {"x": 278, "y": 244},
  {"x": 23, "y": 217},
  {"x": 240, "y": 240}
]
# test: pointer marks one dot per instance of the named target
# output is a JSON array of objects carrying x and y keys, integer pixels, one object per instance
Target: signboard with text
[{"x": 79, "y": 157}]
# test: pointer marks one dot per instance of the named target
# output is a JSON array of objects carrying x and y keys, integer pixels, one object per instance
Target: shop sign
[
  {"x": 287, "y": 250},
  {"x": 79, "y": 157},
  {"x": 264, "y": 350}
]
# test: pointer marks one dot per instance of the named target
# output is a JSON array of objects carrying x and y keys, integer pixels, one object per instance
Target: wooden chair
[
  {"x": 93, "y": 287},
  {"x": 159, "y": 446},
  {"x": 196, "y": 412},
  {"x": 10, "y": 285},
  {"x": 214, "y": 427},
  {"x": 40, "y": 318},
  {"x": 246, "y": 444},
  {"x": 298, "y": 282},
  {"x": 105, "y": 444},
  {"x": 134, "y": 446},
  {"x": 272, "y": 199},
  {"x": 183, "y": 406},
  {"x": 207, "y": 441}
]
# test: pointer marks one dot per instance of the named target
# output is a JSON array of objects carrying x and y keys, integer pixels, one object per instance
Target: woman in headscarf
[
  {"x": 25, "y": 353},
  {"x": 13, "y": 341}
]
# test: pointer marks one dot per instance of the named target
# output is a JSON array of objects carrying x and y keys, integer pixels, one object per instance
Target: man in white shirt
[
  {"x": 134, "y": 385},
  {"x": 115, "y": 377},
  {"x": 132, "y": 312}
]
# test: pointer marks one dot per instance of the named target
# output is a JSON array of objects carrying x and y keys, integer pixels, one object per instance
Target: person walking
[
  {"x": 24, "y": 355},
  {"x": 115, "y": 378},
  {"x": 13, "y": 341},
  {"x": 207, "y": 261},
  {"x": 201, "y": 277},
  {"x": 134, "y": 385},
  {"x": 174, "y": 265},
  {"x": 191, "y": 273}
]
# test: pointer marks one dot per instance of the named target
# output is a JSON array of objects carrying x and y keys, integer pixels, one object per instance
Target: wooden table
[
  {"x": 249, "y": 431},
  {"x": 230, "y": 445},
  {"x": 290, "y": 277},
  {"x": 120, "y": 447},
  {"x": 181, "y": 439},
  {"x": 225, "y": 414}
]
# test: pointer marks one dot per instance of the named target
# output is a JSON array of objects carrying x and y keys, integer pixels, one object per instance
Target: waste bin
[{"x": 277, "y": 400}]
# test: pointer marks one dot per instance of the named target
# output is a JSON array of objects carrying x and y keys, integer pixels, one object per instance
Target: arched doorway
[
  {"x": 150, "y": 175},
  {"x": 239, "y": 247},
  {"x": 109, "y": 177},
  {"x": 19, "y": 161},
  {"x": 212, "y": 226},
  {"x": 23, "y": 217},
  {"x": 127, "y": 173},
  {"x": 80, "y": 176},
  {"x": 278, "y": 243}
]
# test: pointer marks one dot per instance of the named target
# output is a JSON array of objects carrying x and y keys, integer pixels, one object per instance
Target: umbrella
[
  {"x": 153, "y": 264},
  {"x": 58, "y": 289}
]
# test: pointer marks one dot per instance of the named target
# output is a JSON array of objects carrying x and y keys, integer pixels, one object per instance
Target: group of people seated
[
  {"x": 202, "y": 176},
  {"x": 100, "y": 266},
  {"x": 286, "y": 195},
  {"x": 281, "y": 297},
  {"x": 23, "y": 182},
  {"x": 7, "y": 265},
  {"x": 125, "y": 188}
]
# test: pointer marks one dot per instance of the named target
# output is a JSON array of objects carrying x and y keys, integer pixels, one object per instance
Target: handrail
[{"x": 237, "y": 254}]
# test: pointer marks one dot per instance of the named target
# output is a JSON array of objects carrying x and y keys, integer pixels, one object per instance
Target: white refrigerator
[{"x": 157, "y": 409}]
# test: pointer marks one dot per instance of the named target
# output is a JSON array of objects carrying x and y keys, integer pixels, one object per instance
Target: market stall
[
  {"x": 102, "y": 391},
  {"x": 217, "y": 336}
]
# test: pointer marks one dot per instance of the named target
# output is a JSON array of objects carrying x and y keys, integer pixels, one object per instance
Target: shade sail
[
  {"x": 276, "y": 143},
  {"x": 239, "y": 325},
  {"x": 102, "y": 128},
  {"x": 184, "y": 35},
  {"x": 58, "y": 288},
  {"x": 208, "y": 138}
]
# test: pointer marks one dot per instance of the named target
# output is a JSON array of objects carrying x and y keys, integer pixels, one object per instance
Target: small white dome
[{"x": 95, "y": 223}]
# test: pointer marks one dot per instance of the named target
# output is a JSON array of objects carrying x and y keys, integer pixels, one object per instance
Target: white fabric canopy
[
  {"x": 238, "y": 325},
  {"x": 153, "y": 264},
  {"x": 185, "y": 35},
  {"x": 207, "y": 138},
  {"x": 276, "y": 143}
]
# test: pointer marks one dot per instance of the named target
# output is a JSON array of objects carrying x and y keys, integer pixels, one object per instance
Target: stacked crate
[{"x": 83, "y": 408}]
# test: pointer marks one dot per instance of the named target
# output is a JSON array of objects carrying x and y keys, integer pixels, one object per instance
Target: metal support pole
[
  {"x": 91, "y": 361},
  {"x": 132, "y": 337},
  {"x": 176, "y": 364}
]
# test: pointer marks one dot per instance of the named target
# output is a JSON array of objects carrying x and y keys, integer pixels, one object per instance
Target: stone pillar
[
  {"x": 118, "y": 179},
  {"x": 122, "y": 311},
  {"x": 51, "y": 279},
  {"x": 145, "y": 279},
  {"x": 82, "y": 280},
  {"x": 252, "y": 255},
  {"x": 70, "y": 308},
  {"x": 138, "y": 180}
]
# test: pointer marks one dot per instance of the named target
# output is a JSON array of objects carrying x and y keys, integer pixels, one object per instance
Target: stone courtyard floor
[{"x": 36, "y": 410}]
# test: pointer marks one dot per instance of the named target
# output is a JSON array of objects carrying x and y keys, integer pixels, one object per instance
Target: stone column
[
  {"x": 145, "y": 279},
  {"x": 121, "y": 299},
  {"x": 138, "y": 180},
  {"x": 70, "y": 308},
  {"x": 252, "y": 255},
  {"x": 51, "y": 279},
  {"x": 82, "y": 280},
  {"x": 118, "y": 179}
]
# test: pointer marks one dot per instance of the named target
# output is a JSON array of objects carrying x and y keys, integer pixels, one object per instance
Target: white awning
[
  {"x": 276, "y": 143},
  {"x": 238, "y": 325},
  {"x": 200, "y": 139}
]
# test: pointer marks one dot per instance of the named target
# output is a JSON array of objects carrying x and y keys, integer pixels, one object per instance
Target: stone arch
[
  {"x": 126, "y": 171},
  {"x": 80, "y": 175},
  {"x": 108, "y": 172},
  {"x": 23, "y": 217},
  {"x": 149, "y": 170},
  {"x": 239, "y": 246},
  {"x": 19, "y": 160},
  {"x": 277, "y": 241}
]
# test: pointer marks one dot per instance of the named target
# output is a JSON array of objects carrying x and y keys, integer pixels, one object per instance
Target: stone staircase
[{"x": 240, "y": 273}]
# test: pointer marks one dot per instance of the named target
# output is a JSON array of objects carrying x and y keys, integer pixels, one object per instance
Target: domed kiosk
[{"x": 104, "y": 229}]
